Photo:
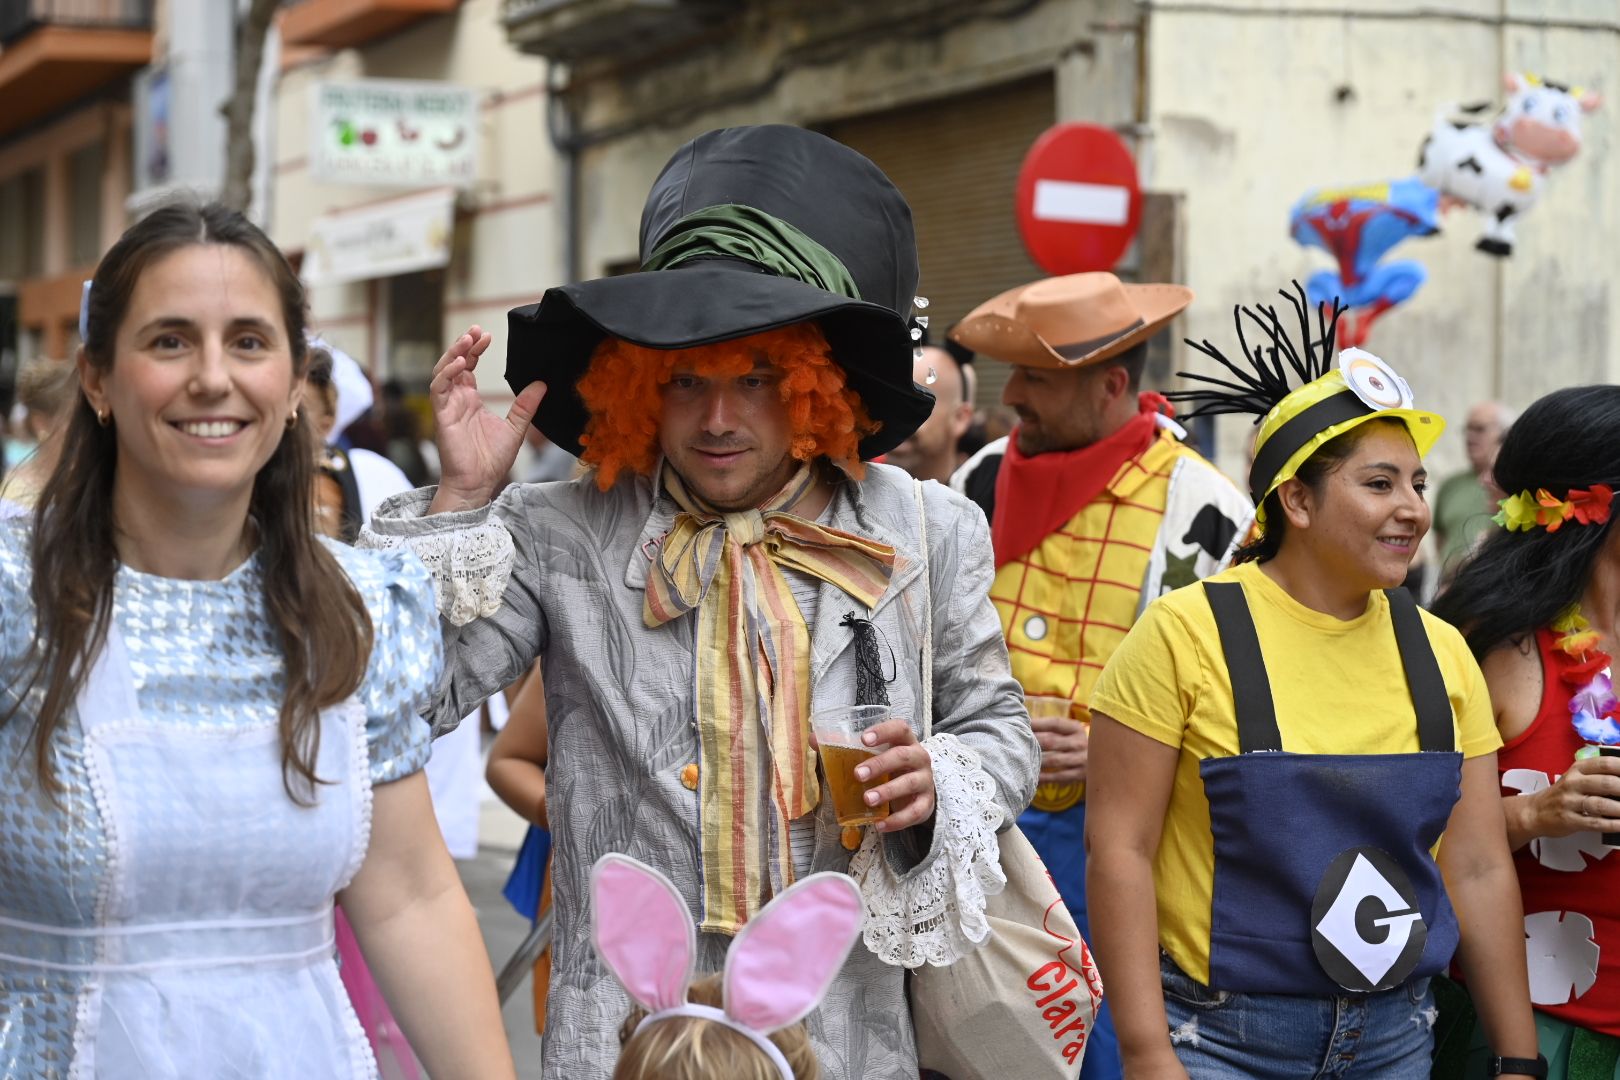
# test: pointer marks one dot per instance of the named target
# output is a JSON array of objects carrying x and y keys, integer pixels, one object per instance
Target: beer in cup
[
  {"x": 1055, "y": 798},
  {"x": 838, "y": 735}
]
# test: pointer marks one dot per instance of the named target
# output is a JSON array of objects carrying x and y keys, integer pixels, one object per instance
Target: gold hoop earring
[
  {"x": 104, "y": 417},
  {"x": 292, "y": 421}
]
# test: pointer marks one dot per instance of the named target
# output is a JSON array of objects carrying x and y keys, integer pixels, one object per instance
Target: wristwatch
[{"x": 1506, "y": 1066}]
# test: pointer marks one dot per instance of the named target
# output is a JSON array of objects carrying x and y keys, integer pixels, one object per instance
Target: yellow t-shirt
[{"x": 1338, "y": 688}]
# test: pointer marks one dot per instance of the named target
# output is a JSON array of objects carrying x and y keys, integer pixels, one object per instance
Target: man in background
[
  {"x": 1095, "y": 509},
  {"x": 931, "y": 452},
  {"x": 1464, "y": 504}
]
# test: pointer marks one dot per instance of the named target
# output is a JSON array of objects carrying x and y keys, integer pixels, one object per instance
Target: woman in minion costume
[{"x": 1276, "y": 751}]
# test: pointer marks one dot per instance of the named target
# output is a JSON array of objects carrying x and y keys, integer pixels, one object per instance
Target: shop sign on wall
[
  {"x": 401, "y": 235},
  {"x": 407, "y": 133}
]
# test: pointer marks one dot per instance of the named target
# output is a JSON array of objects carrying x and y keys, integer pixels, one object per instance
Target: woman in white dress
[{"x": 209, "y": 717}]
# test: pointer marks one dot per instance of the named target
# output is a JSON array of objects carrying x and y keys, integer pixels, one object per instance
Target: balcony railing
[{"x": 21, "y": 17}]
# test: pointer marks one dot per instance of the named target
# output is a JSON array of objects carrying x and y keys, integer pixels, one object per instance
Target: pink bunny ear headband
[{"x": 777, "y": 970}]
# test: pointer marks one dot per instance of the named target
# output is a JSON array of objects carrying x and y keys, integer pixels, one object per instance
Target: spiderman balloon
[{"x": 1358, "y": 226}]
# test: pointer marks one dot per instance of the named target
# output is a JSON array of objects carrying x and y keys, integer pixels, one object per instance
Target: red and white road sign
[{"x": 1078, "y": 200}]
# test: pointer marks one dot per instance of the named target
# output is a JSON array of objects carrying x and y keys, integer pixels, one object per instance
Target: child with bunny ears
[
  {"x": 691, "y": 1048},
  {"x": 746, "y": 1023}
]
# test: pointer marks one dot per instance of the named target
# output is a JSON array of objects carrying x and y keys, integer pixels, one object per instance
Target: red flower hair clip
[
  {"x": 1584, "y": 506},
  {"x": 1590, "y": 506}
]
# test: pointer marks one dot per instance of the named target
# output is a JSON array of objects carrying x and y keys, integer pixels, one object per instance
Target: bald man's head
[
  {"x": 1488, "y": 423},
  {"x": 930, "y": 453}
]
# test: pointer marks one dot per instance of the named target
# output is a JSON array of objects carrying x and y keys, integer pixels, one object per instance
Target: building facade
[
  {"x": 404, "y": 247},
  {"x": 66, "y": 71},
  {"x": 113, "y": 106},
  {"x": 1233, "y": 109}
]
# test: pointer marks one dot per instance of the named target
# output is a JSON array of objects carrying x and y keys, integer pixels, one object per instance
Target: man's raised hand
[{"x": 476, "y": 447}]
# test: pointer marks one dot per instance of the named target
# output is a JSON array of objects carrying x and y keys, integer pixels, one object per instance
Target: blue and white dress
[{"x": 169, "y": 914}]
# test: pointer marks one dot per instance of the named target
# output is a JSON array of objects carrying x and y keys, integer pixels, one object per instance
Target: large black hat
[{"x": 747, "y": 229}]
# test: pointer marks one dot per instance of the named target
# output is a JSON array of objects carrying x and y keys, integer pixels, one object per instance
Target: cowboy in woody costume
[
  {"x": 728, "y": 567},
  {"x": 1096, "y": 508}
]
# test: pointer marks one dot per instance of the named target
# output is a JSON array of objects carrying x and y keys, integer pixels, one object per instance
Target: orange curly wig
[{"x": 622, "y": 389}]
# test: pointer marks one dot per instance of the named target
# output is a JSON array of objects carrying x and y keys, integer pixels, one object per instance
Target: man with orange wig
[{"x": 726, "y": 567}]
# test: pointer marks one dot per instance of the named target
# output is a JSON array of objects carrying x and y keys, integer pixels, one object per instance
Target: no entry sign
[{"x": 1078, "y": 202}]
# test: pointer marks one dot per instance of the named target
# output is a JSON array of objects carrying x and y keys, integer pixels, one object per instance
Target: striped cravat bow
[{"x": 753, "y": 675}]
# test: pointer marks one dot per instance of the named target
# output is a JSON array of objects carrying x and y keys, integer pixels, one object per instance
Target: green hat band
[
  {"x": 1286, "y": 441},
  {"x": 734, "y": 231}
]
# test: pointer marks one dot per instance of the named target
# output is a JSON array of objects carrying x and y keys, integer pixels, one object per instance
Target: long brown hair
[{"x": 320, "y": 620}]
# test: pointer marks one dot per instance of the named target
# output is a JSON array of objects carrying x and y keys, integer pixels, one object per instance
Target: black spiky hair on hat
[{"x": 1259, "y": 391}]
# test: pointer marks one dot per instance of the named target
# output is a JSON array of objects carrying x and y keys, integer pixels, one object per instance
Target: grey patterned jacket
[{"x": 568, "y": 586}]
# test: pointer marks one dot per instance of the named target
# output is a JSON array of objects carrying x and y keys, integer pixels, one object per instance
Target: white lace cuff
[
  {"x": 935, "y": 913},
  {"x": 470, "y": 564}
]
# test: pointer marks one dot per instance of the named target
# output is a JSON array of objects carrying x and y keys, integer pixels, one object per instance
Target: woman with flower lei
[{"x": 1540, "y": 607}]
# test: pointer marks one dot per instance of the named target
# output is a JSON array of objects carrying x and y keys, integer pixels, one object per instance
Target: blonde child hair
[
  {"x": 746, "y": 1023},
  {"x": 693, "y": 1048}
]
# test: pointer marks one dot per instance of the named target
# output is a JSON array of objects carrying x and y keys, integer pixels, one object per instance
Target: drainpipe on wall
[
  {"x": 562, "y": 130},
  {"x": 1499, "y": 271},
  {"x": 1143, "y": 24}
]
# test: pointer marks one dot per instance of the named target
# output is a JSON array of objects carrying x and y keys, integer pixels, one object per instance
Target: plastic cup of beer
[
  {"x": 1042, "y": 705},
  {"x": 1054, "y": 796},
  {"x": 838, "y": 734}
]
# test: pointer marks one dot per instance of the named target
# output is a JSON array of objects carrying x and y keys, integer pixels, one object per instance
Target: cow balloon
[{"x": 1501, "y": 167}]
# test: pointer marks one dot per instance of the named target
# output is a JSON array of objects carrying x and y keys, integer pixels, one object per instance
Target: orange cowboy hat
[{"x": 1069, "y": 321}]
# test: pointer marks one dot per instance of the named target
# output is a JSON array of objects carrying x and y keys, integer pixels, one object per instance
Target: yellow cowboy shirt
[{"x": 1066, "y": 605}]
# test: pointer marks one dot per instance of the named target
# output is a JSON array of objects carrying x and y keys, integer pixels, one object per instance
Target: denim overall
[{"x": 1324, "y": 882}]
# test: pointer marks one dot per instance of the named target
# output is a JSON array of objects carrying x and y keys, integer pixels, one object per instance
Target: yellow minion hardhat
[
  {"x": 1361, "y": 388},
  {"x": 1294, "y": 423}
]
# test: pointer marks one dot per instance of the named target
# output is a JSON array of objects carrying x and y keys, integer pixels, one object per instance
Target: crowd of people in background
[
  {"x": 959, "y": 427},
  {"x": 257, "y": 614}
]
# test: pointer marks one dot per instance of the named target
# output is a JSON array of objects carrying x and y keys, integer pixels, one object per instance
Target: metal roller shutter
[{"x": 956, "y": 160}]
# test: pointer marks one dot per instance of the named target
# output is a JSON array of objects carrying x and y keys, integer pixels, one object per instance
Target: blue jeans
[
  {"x": 1060, "y": 840},
  {"x": 1226, "y": 1036}
]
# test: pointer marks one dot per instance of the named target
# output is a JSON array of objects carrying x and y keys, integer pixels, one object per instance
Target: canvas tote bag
[{"x": 1021, "y": 1005}]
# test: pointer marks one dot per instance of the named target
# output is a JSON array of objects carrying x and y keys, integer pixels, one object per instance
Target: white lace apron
[{"x": 213, "y": 950}]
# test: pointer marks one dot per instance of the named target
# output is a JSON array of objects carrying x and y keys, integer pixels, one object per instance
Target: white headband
[
  {"x": 778, "y": 967},
  {"x": 707, "y": 1012}
]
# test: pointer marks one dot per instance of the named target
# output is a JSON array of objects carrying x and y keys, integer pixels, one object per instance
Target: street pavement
[{"x": 500, "y": 831}]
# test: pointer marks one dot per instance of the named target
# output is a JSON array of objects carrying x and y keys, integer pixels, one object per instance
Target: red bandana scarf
[{"x": 1036, "y": 495}]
